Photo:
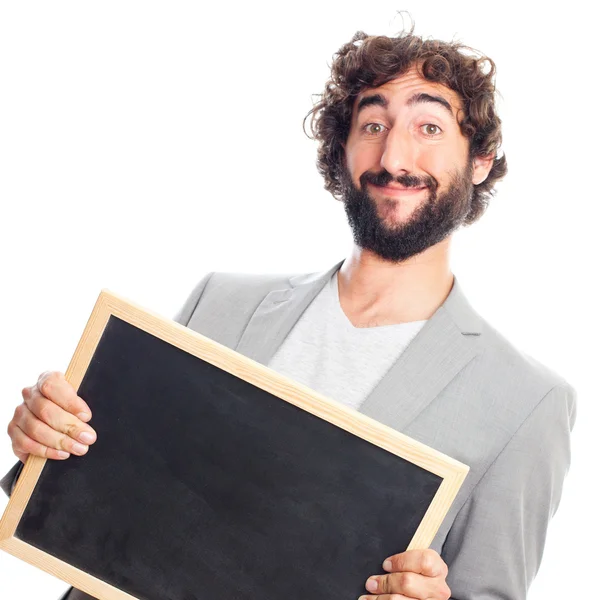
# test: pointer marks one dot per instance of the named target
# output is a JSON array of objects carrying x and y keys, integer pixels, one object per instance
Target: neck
[{"x": 375, "y": 292}]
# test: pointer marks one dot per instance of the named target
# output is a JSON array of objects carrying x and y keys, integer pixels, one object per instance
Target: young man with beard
[{"x": 408, "y": 140}]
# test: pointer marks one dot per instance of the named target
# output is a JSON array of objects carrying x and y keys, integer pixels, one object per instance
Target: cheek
[
  {"x": 359, "y": 159},
  {"x": 439, "y": 162}
]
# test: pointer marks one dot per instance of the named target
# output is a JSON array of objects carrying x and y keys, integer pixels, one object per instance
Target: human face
[{"x": 408, "y": 180}]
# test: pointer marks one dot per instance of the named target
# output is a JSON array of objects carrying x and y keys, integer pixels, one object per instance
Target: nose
[{"x": 399, "y": 153}]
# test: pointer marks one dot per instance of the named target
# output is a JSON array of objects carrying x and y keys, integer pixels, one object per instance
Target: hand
[
  {"x": 51, "y": 421},
  {"x": 412, "y": 575}
]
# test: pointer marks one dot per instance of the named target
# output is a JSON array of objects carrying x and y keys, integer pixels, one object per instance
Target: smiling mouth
[{"x": 398, "y": 191}]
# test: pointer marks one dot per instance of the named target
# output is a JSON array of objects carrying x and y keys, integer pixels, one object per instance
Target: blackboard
[{"x": 203, "y": 484}]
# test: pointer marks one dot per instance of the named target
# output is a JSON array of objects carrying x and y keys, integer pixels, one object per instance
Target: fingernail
[
  {"x": 371, "y": 584},
  {"x": 83, "y": 416},
  {"x": 79, "y": 448},
  {"x": 387, "y": 565},
  {"x": 63, "y": 454},
  {"x": 86, "y": 437}
]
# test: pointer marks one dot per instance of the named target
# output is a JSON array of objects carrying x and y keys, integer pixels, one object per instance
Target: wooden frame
[{"x": 451, "y": 471}]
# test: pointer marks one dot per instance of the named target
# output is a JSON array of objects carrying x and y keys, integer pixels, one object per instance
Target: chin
[{"x": 393, "y": 216}]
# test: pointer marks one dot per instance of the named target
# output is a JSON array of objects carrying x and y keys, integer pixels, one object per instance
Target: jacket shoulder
[
  {"x": 222, "y": 303},
  {"x": 513, "y": 363}
]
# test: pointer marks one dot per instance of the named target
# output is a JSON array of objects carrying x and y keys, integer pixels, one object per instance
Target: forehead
[{"x": 399, "y": 90}]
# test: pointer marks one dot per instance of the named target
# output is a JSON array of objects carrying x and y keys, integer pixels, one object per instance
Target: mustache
[{"x": 385, "y": 178}]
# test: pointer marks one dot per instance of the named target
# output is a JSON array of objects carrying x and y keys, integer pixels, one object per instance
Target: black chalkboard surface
[{"x": 204, "y": 485}]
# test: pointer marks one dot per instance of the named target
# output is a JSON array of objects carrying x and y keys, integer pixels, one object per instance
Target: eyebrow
[
  {"x": 421, "y": 98},
  {"x": 372, "y": 100},
  {"x": 424, "y": 98}
]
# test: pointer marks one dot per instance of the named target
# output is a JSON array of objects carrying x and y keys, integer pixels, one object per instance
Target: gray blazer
[{"x": 459, "y": 387}]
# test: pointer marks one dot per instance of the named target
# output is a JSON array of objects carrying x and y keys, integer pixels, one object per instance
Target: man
[{"x": 408, "y": 140}]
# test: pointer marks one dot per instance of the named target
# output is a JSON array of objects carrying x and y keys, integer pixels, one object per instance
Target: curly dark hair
[{"x": 370, "y": 61}]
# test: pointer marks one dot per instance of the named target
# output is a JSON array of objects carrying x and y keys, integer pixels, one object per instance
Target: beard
[{"x": 441, "y": 213}]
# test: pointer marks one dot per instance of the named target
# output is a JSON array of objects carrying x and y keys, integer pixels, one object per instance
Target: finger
[
  {"x": 411, "y": 585},
  {"x": 22, "y": 456},
  {"x": 23, "y": 446},
  {"x": 45, "y": 435},
  {"x": 426, "y": 562},
  {"x": 59, "y": 419},
  {"x": 387, "y": 597},
  {"x": 55, "y": 387}
]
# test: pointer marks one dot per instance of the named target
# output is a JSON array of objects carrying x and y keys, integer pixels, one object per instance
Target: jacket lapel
[
  {"x": 278, "y": 313},
  {"x": 448, "y": 341},
  {"x": 441, "y": 349}
]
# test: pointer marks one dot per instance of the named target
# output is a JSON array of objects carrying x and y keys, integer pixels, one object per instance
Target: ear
[{"x": 482, "y": 165}]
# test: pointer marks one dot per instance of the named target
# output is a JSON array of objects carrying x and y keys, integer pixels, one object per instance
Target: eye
[
  {"x": 430, "y": 129},
  {"x": 374, "y": 128}
]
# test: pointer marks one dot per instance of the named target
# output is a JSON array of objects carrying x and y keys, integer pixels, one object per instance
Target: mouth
[{"x": 396, "y": 191}]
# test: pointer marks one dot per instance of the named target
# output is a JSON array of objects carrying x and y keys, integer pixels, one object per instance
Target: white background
[{"x": 143, "y": 144}]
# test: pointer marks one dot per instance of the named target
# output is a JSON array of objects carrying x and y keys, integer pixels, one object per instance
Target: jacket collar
[{"x": 448, "y": 341}]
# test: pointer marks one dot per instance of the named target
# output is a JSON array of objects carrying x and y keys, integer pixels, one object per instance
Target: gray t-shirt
[{"x": 325, "y": 352}]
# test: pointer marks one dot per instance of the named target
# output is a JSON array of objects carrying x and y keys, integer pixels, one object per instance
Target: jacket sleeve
[
  {"x": 494, "y": 548},
  {"x": 7, "y": 483}
]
